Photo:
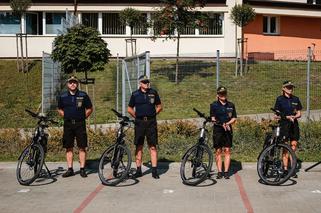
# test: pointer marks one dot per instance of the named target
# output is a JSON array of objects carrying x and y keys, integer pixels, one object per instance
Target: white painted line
[
  {"x": 168, "y": 191},
  {"x": 24, "y": 190},
  {"x": 316, "y": 191}
]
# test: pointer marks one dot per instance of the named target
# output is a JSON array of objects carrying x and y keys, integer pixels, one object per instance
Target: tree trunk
[
  {"x": 75, "y": 7},
  {"x": 242, "y": 53},
  {"x": 22, "y": 68},
  {"x": 177, "y": 58}
]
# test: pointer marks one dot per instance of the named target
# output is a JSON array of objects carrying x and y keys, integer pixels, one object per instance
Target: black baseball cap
[
  {"x": 221, "y": 90},
  {"x": 143, "y": 78},
  {"x": 288, "y": 84}
]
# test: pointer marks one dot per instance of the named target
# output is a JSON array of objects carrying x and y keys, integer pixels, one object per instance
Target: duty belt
[
  {"x": 146, "y": 118},
  {"x": 73, "y": 121}
]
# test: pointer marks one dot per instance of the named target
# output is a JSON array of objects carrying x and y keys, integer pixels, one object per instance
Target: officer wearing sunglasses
[
  {"x": 144, "y": 105},
  {"x": 291, "y": 106}
]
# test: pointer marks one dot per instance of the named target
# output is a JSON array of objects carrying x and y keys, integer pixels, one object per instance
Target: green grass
[{"x": 255, "y": 92}]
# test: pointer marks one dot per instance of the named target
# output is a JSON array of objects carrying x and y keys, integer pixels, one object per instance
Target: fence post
[
  {"x": 117, "y": 83},
  {"x": 217, "y": 68},
  {"x": 308, "y": 83},
  {"x": 123, "y": 88}
]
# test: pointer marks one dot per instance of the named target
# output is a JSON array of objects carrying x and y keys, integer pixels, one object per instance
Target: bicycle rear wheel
[
  {"x": 270, "y": 166},
  {"x": 30, "y": 164},
  {"x": 114, "y": 165},
  {"x": 196, "y": 165}
]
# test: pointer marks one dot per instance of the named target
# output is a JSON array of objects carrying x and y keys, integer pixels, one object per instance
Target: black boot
[
  {"x": 68, "y": 173},
  {"x": 138, "y": 172},
  {"x": 83, "y": 172},
  {"x": 154, "y": 173}
]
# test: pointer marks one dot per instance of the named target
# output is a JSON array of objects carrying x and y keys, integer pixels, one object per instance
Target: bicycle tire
[
  {"x": 30, "y": 161},
  {"x": 195, "y": 170},
  {"x": 113, "y": 155},
  {"x": 270, "y": 164}
]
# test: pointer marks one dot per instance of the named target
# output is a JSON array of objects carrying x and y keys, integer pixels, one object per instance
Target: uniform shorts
[
  {"x": 148, "y": 129},
  {"x": 72, "y": 131},
  {"x": 290, "y": 130},
  {"x": 222, "y": 138}
]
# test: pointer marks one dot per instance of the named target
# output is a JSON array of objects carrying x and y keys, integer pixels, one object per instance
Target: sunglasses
[
  {"x": 289, "y": 87},
  {"x": 144, "y": 82},
  {"x": 72, "y": 82}
]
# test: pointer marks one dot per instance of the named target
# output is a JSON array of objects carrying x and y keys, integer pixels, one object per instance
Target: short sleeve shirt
[
  {"x": 74, "y": 106},
  {"x": 222, "y": 113},
  {"x": 144, "y": 102},
  {"x": 288, "y": 106}
]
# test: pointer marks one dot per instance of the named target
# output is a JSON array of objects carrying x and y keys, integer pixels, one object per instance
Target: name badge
[
  {"x": 151, "y": 98},
  {"x": 79, "y": 102}
]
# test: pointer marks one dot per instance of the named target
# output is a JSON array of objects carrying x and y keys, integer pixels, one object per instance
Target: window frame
[{"x": 277, "y": 25}]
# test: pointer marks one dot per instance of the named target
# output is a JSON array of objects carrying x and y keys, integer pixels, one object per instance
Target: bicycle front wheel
[
  {"x": 114, "y": 165},
  {"x": 30, "y": 164},
  {"x": 196, "y": 165},
  {"x": 276, "y": 164}
]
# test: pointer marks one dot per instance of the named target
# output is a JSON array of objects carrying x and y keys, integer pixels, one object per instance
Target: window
[
  {"x": 112, "y": 24},
  {"x": 54, "y": 22},
  {"x": 34, "y": 23},
  {"x": 142, "y": 28},
  {"x": 90, "y": 20},
  {"x": 188, "y": 31},
  {"x": 214, "y": 25},
  {"x": 9, "y": 24},
  {"x": 271, "y": 25}
]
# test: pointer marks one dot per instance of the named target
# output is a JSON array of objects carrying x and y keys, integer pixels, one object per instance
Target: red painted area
[
  {"x": 296, "y": 35},
  {"x": 243, "y": 194},
  {"x": 89, "y": 198}
]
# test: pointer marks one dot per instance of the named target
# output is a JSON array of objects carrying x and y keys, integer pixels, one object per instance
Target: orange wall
[{"x": 296, "y": 34}]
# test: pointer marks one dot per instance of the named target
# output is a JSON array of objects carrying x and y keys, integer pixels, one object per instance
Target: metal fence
[
  {"x": 253, "y": 92},
  {"x": 51, "y": 83}
]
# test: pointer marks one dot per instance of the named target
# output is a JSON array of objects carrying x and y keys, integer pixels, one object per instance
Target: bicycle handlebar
[
  {"x": 124, "y": 118},
  {"x": 40, "y": 117},
  {"x": 278, "y": 113},
  {"x": 202, "y": 115}
]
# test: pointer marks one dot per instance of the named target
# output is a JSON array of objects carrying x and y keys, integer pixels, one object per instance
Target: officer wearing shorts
[
  {"x": 223, "y": 115},
  {"x": 290, "y": 105},
  {"x": 74, "y": 106},
  {"x": 144, "y": 105}
]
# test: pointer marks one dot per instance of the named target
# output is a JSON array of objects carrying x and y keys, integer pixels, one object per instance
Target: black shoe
[
  {"x": 115, "y": 173},
  {"x": 83, "y": 173},
  {"x": 226, "y": 176},
  {"x": 219, "y": 175},
  {"x": 68, "y": 173},
  {"x": 285, "y": 173},
  {"x": 138, "y": 173},
  {"x": 155, "y": 175},
  {"x": 295, "y": 175}
]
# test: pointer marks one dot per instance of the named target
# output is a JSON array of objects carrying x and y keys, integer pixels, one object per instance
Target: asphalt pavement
[{"x": 241, "y": 193}]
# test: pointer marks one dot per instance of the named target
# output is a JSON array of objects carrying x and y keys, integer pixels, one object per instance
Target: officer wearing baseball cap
[
  {"x": 74, "y": 106},
  {"x": 223, "y": 115},
  {"x": 291, "y": 107},
  {"x": 144, "y": 105}
]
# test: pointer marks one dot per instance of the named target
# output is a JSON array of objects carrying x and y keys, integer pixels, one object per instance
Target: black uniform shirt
[
  {"x": 222, "y": 113},
  {"x": 144, "y": 103},
  {"x": 288, "y": 106},
  {"x": 74, "y": 105}
]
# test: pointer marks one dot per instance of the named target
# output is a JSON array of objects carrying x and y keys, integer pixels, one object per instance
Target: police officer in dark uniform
[
  {"x": 291, "y": 106},
  {"x": 74, "y": 106},
  {"x": 223, "y": 115},
  {"x": 144, "y": 105}
]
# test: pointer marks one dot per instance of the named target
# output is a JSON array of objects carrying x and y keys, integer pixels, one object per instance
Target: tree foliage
[
  {"x": 131, "y": 17},
  {"x": 178, "y": 15},
  {"x": 81, "y": 50},
  {"x": 19, "y": 7},
  {"x": 242, "y": 15}
]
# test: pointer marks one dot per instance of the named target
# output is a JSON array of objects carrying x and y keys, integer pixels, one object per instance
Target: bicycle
[
  {"x": 115, "y": 162},
  {"x": 197, "y": 161},
  {"x": 270, "y": 165},
  {"x": 32, "y": 158}
]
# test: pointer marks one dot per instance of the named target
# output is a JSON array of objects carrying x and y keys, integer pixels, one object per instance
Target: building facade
[{"x": 44, "y": 20}]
